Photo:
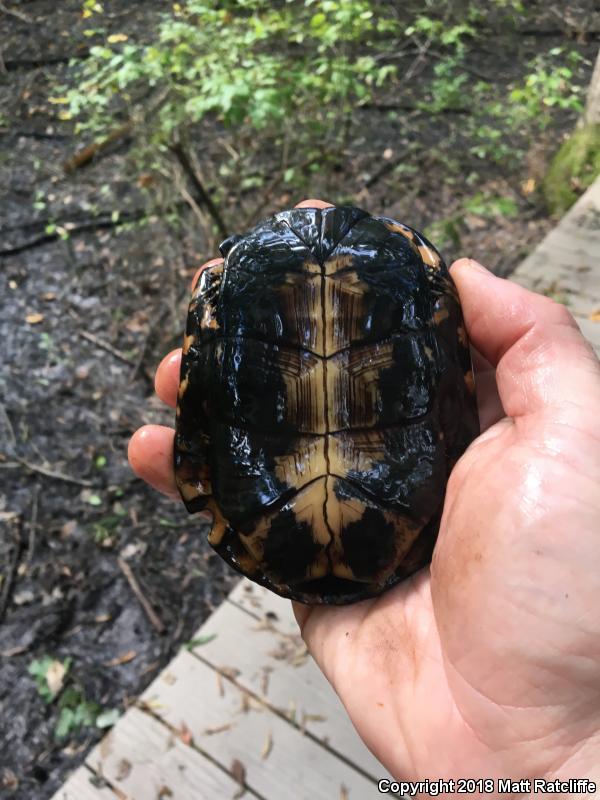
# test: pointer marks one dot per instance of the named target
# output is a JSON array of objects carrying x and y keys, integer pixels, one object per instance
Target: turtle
[{"x": 326, "y": 392}]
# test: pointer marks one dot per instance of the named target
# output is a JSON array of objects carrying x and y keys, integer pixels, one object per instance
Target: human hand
[{"x": 488, "y": 664}]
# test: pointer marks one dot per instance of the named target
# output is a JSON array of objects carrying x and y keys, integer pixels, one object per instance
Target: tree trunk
[{"x": 591, "y": 114}]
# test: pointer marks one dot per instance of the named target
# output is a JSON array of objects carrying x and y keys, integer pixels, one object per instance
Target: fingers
[
  {"x": 166, "y": 380},
  {"x": 488, "y": 401},
  {"x": 313, "y": 204},
  {"x": 542, "y": 360},
  {"x": 150, "y": 456}
]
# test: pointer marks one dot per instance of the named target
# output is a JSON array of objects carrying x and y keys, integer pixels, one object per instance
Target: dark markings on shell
[{"x": 326, "y": 393}]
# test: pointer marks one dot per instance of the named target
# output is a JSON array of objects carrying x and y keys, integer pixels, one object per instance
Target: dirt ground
[{"x": 84, "y": 321}]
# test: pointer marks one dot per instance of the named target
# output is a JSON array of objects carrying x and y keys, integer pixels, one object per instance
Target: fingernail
[{"x": 476, "y": 265}]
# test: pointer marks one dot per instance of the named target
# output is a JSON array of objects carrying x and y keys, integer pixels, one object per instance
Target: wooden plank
[
  {"x": 79, "y": 787},
  {"x": 274, "y": 665},
  {"x": 144, "y": 760},
  {"x": 260, "y": 602},
  {"x": 566, "y": 265},
  {"x": 227, "y": 724}
]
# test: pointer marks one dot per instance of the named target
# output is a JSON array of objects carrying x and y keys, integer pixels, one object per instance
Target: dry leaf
[
  {"x": 595, "y": 315},
  {"x": 123, "y": 769},
  {"x": 266, "y": 674},
  {"x": 124, "y": 658},
  {"x": 528, "y": 186},
  {"x": 238, "y": 772},
  {"x": 267, "y": 746},
  {"x": 33, "y": 319},
  {"x": 343, "y": 792},
  {"x": 217, "y": 729},
  {"x": 55, "y": 676},
  {"x": 229, "y": 672},
  {"x": 49, "y": 296},
  {"x": 185, "y": 734}
]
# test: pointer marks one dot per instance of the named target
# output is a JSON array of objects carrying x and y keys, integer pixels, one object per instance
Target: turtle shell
[{"x": 326, "y": 393}]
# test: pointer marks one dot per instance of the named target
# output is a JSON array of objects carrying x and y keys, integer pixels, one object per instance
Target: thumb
[{"x": 542, "y": 360}]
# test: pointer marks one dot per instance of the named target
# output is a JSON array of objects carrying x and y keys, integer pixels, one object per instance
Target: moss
[{"x": 573, "y": 168}]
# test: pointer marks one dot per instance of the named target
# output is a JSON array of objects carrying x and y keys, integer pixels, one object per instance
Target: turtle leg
[{"x": 192, "y": 431}]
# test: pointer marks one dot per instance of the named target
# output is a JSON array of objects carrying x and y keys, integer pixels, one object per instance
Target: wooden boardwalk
[
  {"x": 248, "y": 712},
  {"x": 566, "y": 265}
]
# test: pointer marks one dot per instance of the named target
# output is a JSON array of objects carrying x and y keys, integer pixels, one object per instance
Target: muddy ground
[{"x": 84, "y": 321}]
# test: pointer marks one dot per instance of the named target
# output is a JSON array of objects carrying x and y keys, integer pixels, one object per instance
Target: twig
[
  {"x": 9, "y": 425},
  {"x": 106, "y": 346},
  {"x": 135, "y": 588},
  {"x": 9, "y": 575},
  {"x": 50, "y": 473},
  {"x": 32, "y": 524},
  {"x": 86, "y": 154},
  {"x": 203, "y": 195},
  {"x": 18, "y": 14}
]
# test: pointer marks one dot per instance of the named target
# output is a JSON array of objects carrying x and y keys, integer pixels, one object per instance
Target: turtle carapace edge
[{"x": 326, "y": 393}]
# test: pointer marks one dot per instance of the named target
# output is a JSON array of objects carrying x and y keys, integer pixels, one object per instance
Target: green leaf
[
  {"x": 94, "y": 500},
  {"x": 199, "y": 641},
  {"x": 106, "y": 719}
]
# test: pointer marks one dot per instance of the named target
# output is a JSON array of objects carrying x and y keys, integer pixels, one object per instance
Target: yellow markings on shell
[
  {"x": 209, "y": 318},
  {"x": 189, "y": 491},
  {"x": 303, "y": 379},
  {"x": 351, "y": 454},
  {"x": 336, "y": 263},
  {"x": 299, "y": 298},
  {"x": 429, "y": 353},
  {"x": 440, "y": 315},
  {"x": 188, "y": 341},
  {"x": 398, "y": 227},
  {"x": 183, "y": 386},
  {"x": 429, "y": 257},
  {"x": 470, "y": 382},
  {"x": 219, "y": 526},
  {"x": 462, "y": 336},
  {"x": 305, "y": 464},
  {"x": 311, "y": 266}
]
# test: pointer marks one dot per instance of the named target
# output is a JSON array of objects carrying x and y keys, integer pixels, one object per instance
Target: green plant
[
  {"x": 574, "y": 167},
  {"x": 54, "y": 685},
  {"x": 49, "y": 675}
]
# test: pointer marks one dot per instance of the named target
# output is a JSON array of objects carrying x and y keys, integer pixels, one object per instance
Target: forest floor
[{"x": 85, "y": 318}]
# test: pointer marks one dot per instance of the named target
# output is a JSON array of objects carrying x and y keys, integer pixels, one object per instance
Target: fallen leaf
[
  {"x": 229, "y": 672},
  {"x": 267, "y": 746},
  {"x": 124, "y": 658},
  {"x": 217, "y": 729},
  {"x": 48, "y": 296},
  {"x": 33, "y": 319},
  {"x": 238, "y": 772},
  {"x": 200, "y": 640},
  {"x": 528, "y": 186},
  {"x": 123, "y": 769},
  {"x": 343, "y": 792},
  {"x": 117, "y": 37},
  {"x": 55, "y": 676},
  {"x": 185, "y": 734},
  {"x": 164, "y": 792},
  {"x": 595, "y": 315}
]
